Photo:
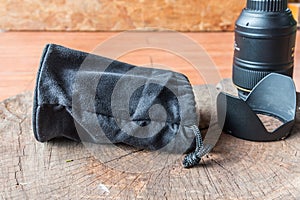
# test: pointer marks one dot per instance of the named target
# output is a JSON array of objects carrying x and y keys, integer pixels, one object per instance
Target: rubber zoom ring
[
  {"x": 247, "y": 79},
  {"x": 267, "y": 5}
]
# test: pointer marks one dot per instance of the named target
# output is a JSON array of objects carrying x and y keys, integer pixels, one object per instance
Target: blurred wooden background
[{"x": 118, "y": 15}]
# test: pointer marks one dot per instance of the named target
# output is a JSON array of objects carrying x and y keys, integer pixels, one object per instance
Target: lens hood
[{"x": 274, "y": 95}]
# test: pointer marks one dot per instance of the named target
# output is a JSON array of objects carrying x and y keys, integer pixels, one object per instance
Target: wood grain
[
  {"x": 20, "y": 53},
  {"x": 62, "y": 169}
]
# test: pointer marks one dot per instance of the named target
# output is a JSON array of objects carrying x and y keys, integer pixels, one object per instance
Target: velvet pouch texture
[{"x": 86, "y": 97}]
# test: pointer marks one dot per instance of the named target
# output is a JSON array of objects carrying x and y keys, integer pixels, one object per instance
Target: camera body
[{"x": 265, "y": 36}]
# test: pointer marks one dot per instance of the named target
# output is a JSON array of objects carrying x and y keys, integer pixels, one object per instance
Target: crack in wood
[
  {"x": 223, "y": 167},
  {"x": 209, "y": 178},
  {"x": 20, "y": 150},
  {"x": 123, "y": 156},
  {"x": 8, "y": 109},
  {"x": 50, "y": 155}
]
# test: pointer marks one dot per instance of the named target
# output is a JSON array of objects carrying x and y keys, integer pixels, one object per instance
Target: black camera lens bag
[{"x": 90, "y": 98}]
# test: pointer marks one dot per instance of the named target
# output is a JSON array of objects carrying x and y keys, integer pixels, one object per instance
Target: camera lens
[{"x": 265, "y": 35}]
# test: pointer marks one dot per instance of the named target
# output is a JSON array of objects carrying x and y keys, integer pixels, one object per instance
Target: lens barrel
[{"x": 265, "y": 35}]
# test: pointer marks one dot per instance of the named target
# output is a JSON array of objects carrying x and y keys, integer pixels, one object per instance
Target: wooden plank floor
[
  {"x": 21, "y": 51},
  {"x": 20, "y": 54}
]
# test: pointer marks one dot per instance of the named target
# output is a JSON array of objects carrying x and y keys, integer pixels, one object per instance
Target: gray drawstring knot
[{"x": 194, "y": 158}]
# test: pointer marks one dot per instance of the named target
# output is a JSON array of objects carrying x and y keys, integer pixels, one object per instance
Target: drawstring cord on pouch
[{"x": 193, "y": 159}]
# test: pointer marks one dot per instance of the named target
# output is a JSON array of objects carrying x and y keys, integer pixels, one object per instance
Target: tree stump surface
[{"x": 63, "y": 169}]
